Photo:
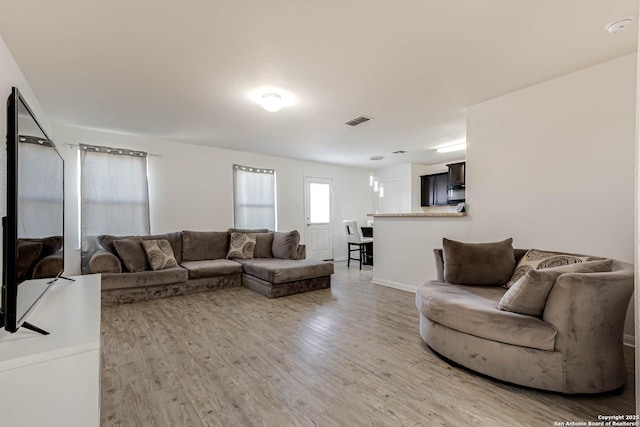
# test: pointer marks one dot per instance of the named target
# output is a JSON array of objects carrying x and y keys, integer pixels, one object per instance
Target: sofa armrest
[
  {"x": 48, "y": 266},
  {"x": 103, "y": 261},
  {"x": 588, "y": 311},
  {"x": 302, "y": 252}
]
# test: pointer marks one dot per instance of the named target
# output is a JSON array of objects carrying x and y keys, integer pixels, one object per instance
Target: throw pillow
[
  {"x": 478, "y": 263},
  {"x": 50, "y": 245},
  {"x": 132, "y": 254},
  {"x": 203, "y": 245},
  {"x": 529, "y": 294},
  {"x": 264, "y": 243},
  {"x": 536, "y": 259},
  {"x": 285, "y": 244},
  {"x": 241, "y": 246},
  {"x": 159, "y": 254}
]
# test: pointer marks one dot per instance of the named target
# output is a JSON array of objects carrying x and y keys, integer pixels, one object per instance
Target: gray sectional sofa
[
  {"x": 278, "y": 267},
  {"x": 573, "y": 343}
]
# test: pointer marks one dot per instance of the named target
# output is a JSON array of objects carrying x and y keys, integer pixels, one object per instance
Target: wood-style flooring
[{"x": 346, "y": 356}]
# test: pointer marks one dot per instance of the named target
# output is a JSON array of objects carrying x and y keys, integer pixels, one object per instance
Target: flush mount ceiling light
[
  {"x": 271, "y": 102},
  {"x": 619, "y": 25},
  {"x": 452, "y": 147},
  {"x": 271, "y": 98}
]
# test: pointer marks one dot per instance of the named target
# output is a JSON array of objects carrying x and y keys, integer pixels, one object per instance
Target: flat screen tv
[{"x": 33, "y": 229}]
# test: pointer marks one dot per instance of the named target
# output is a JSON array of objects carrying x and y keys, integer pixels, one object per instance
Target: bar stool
[{"x": 355, "y": 241}]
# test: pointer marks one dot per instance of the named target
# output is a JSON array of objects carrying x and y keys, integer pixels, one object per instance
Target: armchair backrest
[{"x": 354, "y": 234}]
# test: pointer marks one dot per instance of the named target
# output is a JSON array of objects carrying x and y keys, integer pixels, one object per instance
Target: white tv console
[{"x": 55, "y": 379}]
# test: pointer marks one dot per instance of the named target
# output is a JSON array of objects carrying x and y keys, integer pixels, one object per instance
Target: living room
[{"x": 550, "y": 158}]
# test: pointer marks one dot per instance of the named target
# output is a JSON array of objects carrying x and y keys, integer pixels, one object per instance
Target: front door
[{"x": 318, "y": 195}]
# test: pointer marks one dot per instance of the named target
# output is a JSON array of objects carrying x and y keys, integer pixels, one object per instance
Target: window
[
  {"x": 114, "y": 195},
  {"x": 254, "y": 197}
]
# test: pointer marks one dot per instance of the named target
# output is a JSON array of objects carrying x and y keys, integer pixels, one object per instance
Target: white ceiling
[{"x": 184, "y": 70}]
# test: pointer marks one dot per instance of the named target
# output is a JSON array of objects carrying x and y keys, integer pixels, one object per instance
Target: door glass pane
[{"x": 319, "y": 203}]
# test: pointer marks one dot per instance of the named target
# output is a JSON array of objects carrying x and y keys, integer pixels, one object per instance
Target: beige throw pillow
[
  {"x": 159, "y": 254},
  {"x": 536, "y": 259},
  {"x": 529, "y": 294},
  {"x": 241, "y": 246}
]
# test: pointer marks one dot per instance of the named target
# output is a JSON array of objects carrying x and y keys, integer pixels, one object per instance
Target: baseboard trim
[
  {"x": 340, "y": 258},
  {"x": 629, "y": 340},
  {"x": 396, "y": 285}
]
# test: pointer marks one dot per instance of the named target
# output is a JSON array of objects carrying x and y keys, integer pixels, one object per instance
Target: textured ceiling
[{"x": 185, "y": 70}]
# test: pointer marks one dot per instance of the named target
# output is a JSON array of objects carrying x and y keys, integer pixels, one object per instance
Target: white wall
[
  {"x": 191, "y": 186},
  {"x": 397, "y": 189},
  {"x": 552, "y": 165}
]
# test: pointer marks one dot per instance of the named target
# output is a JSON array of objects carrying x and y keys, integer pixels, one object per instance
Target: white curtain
[
  {"x": 40, "y": 181},
  {"x": 254, "y": 197},
  {"x": 114, "y": 195}
]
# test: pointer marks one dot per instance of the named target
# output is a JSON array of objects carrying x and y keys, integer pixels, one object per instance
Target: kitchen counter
[
  {"x": 419, "y": 215},
  {"x": 403, "y": 245}
]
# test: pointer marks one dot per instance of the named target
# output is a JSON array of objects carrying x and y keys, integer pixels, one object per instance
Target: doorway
[{"x": 318, "y": 211}]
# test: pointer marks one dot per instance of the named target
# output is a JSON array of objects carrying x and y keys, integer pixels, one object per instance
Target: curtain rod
[{"x": 148, "y": 154}]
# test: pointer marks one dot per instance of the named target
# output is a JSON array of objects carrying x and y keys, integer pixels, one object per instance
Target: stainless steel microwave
[{"x": 455, "y": 195}]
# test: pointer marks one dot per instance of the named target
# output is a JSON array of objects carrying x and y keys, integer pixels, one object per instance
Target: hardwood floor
[{"x": 346, "y": 356}]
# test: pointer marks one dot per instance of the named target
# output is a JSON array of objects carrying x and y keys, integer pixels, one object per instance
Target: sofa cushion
[
  {"x": 201, "y": 245},
  {"x": 285, "y": 244},
  {"x": 132, "y": 253},
  {"x": 50, "y": 244},
  {"x": 144, "y": 278},
  {"x": 536, "y": 259},
  {"x": 241, "y": 246},
  {"x": 478, "y": 263},
  {"x": 264, "y": 242},
  {"x": 211, "y": 268},
  {"x": 160, "y": 254},
  {"x": 28, "y": 254},
  {"x": 285, "y": 270},
  {"x": 473, "y": 310},
  {"x": 529, "y": 294},
  {"x": 106, "y": 241},
  {"x": 49, "y": 266},
  {"x": 248, "y": 230}
]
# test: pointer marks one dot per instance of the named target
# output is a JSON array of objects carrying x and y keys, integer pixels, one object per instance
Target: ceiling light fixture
[
  {"x": 453, "y": 147},
  {"x": 271, "y": 102},
  {"x": 619, "y": 25}
]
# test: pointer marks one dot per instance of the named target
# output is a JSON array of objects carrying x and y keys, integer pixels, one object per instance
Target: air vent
[
  {"x": 374, "y": 158},
  {"x": 357, "y": 120},
  {"x": 399, "y": 152}
]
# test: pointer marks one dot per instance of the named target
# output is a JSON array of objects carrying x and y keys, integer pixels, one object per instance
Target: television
[{"x": 33, "y": 229}]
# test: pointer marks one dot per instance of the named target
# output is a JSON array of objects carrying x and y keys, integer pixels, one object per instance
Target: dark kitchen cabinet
[
  {"x": 433, "y": 190},
  {"x": 456, "y": 174}
]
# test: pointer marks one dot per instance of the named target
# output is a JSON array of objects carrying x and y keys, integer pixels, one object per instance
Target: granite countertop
[{"x": 419, "y": 215}]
